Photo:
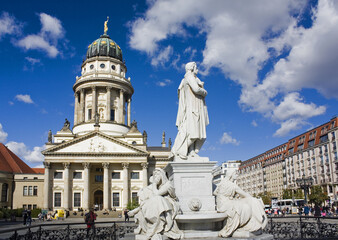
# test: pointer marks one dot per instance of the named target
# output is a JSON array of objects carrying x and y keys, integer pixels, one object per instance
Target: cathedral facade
[{"x": 104, "y": 160}]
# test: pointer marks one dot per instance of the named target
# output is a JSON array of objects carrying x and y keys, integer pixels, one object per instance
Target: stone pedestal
[{"x": 192, "y": 179}]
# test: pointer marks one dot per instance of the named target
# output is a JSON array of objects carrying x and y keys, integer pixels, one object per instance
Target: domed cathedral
[{"x": 103, "y": 161}]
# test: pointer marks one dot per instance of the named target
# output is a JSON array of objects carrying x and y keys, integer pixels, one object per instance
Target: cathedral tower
[{"x": 102, "y": 91}]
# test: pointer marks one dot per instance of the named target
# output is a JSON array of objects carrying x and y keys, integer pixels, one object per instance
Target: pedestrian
[
  {"x": 306, "y": 210},
  {"x": 29, "y": 217},
  {"x": 317, "y": 211},
  {"x": 126, "y": 216},
  {"x": 25, "y": 217},
  {"x": 90, "y": 218}
]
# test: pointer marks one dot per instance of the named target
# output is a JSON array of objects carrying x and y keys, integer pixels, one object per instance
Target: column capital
[
  {"x": 66, "y": 165},
  {"x": 46, "y": 164},
  {"x": 86, "y": 165},
  {"x": 129, "y": 99},
  {"x": 144, "y": 165},
  {"x": 82, "y": 90},
  {"x": 76, "y": 94},
  {"x": 125, "y": 165},
  {"x": 93, "y": 88},
  {"x": 105, "y": 165},
  {"x": 122, "y": 91},
  {"x": 108, "y": 88}
]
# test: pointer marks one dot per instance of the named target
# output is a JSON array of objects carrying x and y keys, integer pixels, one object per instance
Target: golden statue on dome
[{"x": 105, "y": 26}]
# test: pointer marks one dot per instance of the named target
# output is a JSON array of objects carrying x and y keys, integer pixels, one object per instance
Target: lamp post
[{"x": 304, "y": 183}]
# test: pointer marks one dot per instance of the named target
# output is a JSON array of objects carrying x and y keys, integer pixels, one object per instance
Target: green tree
[
  {"x": 287, "y": 193},
  {"x": 132, "y": 205},
  {"x": 298, "y": 194},
  {"x": 266, "y": 197},
  {"x": 317, "y": 195}
]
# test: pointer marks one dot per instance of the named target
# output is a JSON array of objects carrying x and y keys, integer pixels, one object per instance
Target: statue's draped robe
[
  {"x": 192, "y": 115},
  {"x": 243, "y": 214}
]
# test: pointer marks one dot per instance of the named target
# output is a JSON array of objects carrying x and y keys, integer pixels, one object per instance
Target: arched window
[{"x": 4, "y": 192}]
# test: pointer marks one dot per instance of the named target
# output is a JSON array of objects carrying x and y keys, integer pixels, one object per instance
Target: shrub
[
  {"x": 132, "y": 205},
  {"x": 35, "y": 212},
  {"x": 1, "y": 214},
  {"x": 18, "y": 212}
]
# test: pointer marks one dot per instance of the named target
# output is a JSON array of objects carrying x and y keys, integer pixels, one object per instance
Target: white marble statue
[
  {"x": 158, "y": 208},
  {"x": 192, "y": 115},
  {"x": 245, "y": 214}
]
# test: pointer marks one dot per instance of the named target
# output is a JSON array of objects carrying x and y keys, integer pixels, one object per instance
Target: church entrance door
[{"x": 98, "y": 200}]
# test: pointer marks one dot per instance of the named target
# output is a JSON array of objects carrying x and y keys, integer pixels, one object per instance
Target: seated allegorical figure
[
  {"x": 158, "y": 209},
  {"x": 245, "y": 214}
]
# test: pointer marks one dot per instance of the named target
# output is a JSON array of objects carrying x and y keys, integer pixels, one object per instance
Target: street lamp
[{"x": 304, "y": 183}]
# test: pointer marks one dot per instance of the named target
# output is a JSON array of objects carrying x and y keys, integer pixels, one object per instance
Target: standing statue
[
  {"x": 192, "y": 115},
  {"x": 245, "y": 214},
  {"x": 158, "y": 208},
  {"x": 66, "y": 125},
  {"x": 105, "y": 26},
  {"x": 50, "y": 136}
]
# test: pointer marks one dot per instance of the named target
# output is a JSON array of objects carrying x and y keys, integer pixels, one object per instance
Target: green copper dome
[{"x": 106, "y": 47}]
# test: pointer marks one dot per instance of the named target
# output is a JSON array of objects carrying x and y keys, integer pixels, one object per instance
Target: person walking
[
  {"x": 90, "y": 218},
  {"x": 126, "y": 216},
  {"x": 29, "y": 217},
  {"x": 24, "y": 217}
]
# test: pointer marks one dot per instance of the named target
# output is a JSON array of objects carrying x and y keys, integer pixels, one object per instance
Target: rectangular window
[
  {"x": 134, "y": 197},
  {"x": 89, "y": 114},
  {"x": 77, "y": 199},
  {"x": 311, "y": 143},
  {"x": 34, "y": 206},
  {"x": 58, "y": 175},
  {"x": 25, "y": 191},
  {"x": 115, "y": 175},
  {"x": 77, "y": 175},
  {"x": 116, "y": 199},
  {"x": 57, "y": 199},
  {"x": 290, "y": 150},
  {"x": 30, "y": 191},
  {"x": 112, "y": 115},
  {"x": 98, "y": 178},
  {"x": 300, "y": 147},
  {"x": 24, "y": 206},
  {"x": 324, "y": 138},
  {"x": 29, "y": 206},
  {"x": 134, "y": 175},
  {"x": 35, "y": 190}
]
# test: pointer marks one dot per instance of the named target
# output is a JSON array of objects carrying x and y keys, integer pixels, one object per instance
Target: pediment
[{"x": 95, "y": 143}]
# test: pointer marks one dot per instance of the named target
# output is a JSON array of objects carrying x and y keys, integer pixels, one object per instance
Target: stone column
[
  {"x": 129, "y": 110},
  {"x": 86, "y": 178},
  {"x": 106, "y": 192},
  {"x": 121, "y": 106},
  {"x": 66, "y": 186},
  {"x": 76, "y": 108},
  {"x": 108, "y": 103},
  {"x": 46, "y": 186},
  {"x": 82, "y": 105},
  {"x": 125, "y": 193},
  {"x": 94, "y": 102},
  {"x": 145, "y": 173}
]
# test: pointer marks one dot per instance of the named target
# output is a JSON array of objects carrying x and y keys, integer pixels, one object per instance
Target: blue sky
[{"x": 270, "y": 67}]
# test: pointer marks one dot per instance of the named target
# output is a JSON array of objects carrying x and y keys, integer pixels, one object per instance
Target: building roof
[
  {"x": 104, "y": 46},
  {"x": 39, "y": 170},
  {"x": 9, "y": 162}
]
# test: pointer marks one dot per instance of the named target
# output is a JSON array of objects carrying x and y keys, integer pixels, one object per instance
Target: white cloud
[
  {"x": 24, "y": 98},
  {"x": 164, "y": 83},
  {"x": 289, "y": 125},
  {"x": 254, "y": 123},
  {"x": 163, "y": 57},
  {"x": 47, "y": 40},
  {"x": 33, "y": 61},
  {"x": 3, "y": 134},
  {"x": 23, "y": 152},
  {"x": 37, "y": 42},
  {"x": 227, "y": 139},
  {"x": 242, "y": 36},
  {"x": 9, "y": 25}
]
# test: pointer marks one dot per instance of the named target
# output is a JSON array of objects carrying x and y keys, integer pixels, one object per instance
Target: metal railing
[
  {"x": 302, "y": 227},
  {"x": 75, "y": 231}
]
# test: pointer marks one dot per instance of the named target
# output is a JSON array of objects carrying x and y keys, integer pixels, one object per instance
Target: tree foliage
[
  {"x": 132, "y": 205},
  {"x": 266, "y": 197},
  {"x": 289, "y": 193},
  {"x": 317, "y": 195}
]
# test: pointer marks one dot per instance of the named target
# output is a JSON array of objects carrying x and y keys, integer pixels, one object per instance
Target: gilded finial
[{"x": 105, "y": 26}]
